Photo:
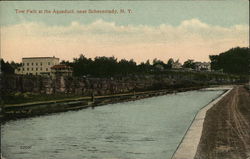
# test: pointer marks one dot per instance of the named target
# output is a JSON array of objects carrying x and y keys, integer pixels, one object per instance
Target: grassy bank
[
  {"x": 18, "y": 98},
  {"x": 62, "y": 103},
  {"x": 28, "y": 97}
]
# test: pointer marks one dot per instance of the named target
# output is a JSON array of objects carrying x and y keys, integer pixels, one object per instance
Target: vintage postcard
[{"x": 125, "y": 79}]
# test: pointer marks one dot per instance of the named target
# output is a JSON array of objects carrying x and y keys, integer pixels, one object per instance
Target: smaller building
[
  {"x": 61, "y": 70},
  {"x": 202, "y": 66},
  {"x": 159, "y": 67},
  {"x": 176, "y": 65}
]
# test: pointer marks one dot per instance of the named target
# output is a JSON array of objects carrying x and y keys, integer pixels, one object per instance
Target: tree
[
  {"x": 8, "y": 68},
  {"x": 144, "y": 67},
  {"x": 170, "y": 63},
  {"x": 235, "y": 60},
  {"x": 66, "y": 63},
  {"x": 189, "y": 64},
  {"x": 214, "y": 62},
  {"x": 81, "y": 65},
  {"x": 104, "y": 66}
]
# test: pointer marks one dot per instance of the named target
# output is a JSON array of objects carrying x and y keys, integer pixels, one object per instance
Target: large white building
[{"x": 37, "y": 65}]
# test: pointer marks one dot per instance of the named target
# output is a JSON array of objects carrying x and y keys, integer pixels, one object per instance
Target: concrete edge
[{"x": 190, "y": 141}]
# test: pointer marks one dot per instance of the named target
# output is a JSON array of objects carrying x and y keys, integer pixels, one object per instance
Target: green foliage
[
  {"x": 170, "y": 63},
  {"x": 101, "y": 66},
  {"x": 144, "y": 67},
  {"x": 18, "y": 97},
  {"x": 189, "y": 64},
  {"x": 81, "y": 66},
  {"x": 110, "y": 66},
  {"x": 8, "y": 68},
  {"x": 235, "y": 61},
  {"x": 158, "y": 64}
]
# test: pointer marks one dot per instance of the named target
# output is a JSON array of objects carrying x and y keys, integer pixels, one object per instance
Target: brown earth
[{"x": 226, "y": 131}]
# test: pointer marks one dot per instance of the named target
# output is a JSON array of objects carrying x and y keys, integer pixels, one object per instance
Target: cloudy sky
[{"x": 161, "y": 29}]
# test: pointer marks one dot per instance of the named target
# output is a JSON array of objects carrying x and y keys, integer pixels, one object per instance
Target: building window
[
  {"x": 27, "y": 69},
  {"x": 32, "y": 64},
  {"x": 36, "y": 63},
  {"x": 23, "y": 69},
  {"x": 23, "y": 64},
  {"x": 48, "y": 63},
  {"x": 41, "y": 68},
  {"x": 47, "y": 69},
  {"x": 27, "y": 64},
  {"x": 41, "y": 63},
  {"x": 36, "y": 69},
  {"x": 31, "y": 69}
]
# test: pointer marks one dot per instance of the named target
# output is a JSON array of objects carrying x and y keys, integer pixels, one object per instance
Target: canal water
[{"x": 144, "y": 129}]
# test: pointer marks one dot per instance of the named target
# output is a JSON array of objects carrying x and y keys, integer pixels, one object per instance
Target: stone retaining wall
[{"x": 103, "y": 86}]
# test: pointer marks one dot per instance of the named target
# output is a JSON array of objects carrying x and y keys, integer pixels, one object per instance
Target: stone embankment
[{"x": 104, "y": 86}]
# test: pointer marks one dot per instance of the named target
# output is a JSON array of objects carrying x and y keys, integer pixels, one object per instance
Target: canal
[{"x": 143, "y": 129}]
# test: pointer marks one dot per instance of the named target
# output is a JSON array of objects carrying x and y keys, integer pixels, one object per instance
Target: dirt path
[{"x": 226, "y": 132}]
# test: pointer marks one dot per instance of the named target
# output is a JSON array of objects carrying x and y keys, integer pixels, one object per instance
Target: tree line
[
  {"x": 8, "y": 67},
  {"x": 110, "y": 66},
  {"x": 234, "y": 61}
]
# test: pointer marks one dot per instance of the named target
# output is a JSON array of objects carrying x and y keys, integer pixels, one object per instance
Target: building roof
[
  {"x": 62, "y": 66},
  {"x": 40, "y": 57}
]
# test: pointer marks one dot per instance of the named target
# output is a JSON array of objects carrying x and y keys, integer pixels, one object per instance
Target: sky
[{"x": 152, "y": 29}]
